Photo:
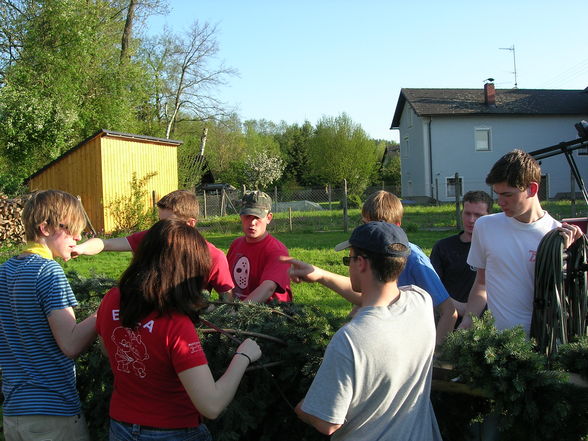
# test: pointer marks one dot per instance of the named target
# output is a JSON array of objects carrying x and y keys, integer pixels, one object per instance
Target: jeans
[{"x": 134, "y": 432}]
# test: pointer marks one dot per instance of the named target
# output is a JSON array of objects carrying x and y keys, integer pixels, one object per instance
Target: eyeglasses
[{"x": 347, "y": 259}]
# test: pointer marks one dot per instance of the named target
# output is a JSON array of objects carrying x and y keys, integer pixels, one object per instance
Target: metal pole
[
  {"x": 204, "y": 193},
  {"x": 290, "y": 218}
]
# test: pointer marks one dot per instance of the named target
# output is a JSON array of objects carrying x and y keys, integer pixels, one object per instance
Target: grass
[{"x": 316, "y": 234}]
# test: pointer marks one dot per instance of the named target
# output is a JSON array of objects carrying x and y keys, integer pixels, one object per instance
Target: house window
[
  {"x": 482, "y": 139},
  {"x": 450, "y": 186},
  {"x": 405, "y": 147}
]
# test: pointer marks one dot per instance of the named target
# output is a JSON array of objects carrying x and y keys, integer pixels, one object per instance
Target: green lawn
[{"x": 424, "y": 225}]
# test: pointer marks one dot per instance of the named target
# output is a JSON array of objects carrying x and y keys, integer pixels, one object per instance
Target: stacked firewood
[{"x": 11, "y": 227}]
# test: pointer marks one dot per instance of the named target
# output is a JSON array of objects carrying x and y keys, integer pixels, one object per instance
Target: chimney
[{"x": 489, "y": 94}]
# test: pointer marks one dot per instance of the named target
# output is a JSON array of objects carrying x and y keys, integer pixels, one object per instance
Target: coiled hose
[{"x": 560, "y": 305}]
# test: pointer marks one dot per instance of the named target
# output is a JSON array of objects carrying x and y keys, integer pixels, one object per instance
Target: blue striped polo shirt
[{"x": 37, "y": 378}]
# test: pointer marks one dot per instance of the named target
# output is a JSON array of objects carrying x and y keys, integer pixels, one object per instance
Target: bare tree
[{"x": 186, "y": 75}]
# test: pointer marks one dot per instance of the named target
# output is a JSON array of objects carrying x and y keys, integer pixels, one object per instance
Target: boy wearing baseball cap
[
  {"x": 258, "y": 274},
  {"x": 375, "y": 378}
]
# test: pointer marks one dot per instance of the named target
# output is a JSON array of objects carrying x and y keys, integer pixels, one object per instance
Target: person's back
[
  {"x": 375, "y": 378},
  {"x": 39, "y": 336},
  {"x": 391, "y": 370}
]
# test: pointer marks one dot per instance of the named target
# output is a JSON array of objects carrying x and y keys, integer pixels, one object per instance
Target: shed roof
[
  {"x": 104, "y": 132},
  {"x": 437, "y": 102}
]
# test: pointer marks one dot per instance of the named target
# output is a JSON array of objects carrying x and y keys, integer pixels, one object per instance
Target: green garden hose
[{"x": 561, "y": 297}]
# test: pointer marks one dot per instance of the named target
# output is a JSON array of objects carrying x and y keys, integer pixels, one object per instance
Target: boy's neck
[
  {"x": 378, "y": 294},
  {"x": 533, "y": 215}
]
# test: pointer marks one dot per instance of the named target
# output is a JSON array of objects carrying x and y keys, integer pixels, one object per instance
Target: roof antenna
[{"x": 514, "y": 62}]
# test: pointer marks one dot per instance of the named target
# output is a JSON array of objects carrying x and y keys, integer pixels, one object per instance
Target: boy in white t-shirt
[{"x": 504, "y": 245}]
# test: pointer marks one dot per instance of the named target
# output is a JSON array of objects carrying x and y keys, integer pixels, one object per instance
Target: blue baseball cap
[{"x": 377, "y": 237}]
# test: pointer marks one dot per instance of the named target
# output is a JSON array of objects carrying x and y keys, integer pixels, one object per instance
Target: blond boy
[{"x": 39, "y": 334}]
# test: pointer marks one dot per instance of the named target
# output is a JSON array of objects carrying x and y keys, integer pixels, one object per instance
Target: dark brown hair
[
  {"x": 385, "y": 268},
  {"x": 167, "y": 274},
  {"x": 517, "y": 168},
  {"x": 479, "y": 196}
]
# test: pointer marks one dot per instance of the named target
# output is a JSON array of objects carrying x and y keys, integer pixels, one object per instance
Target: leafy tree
[
  {"x": 61, "y": 78},
  {"x": 340, "y": 149}
]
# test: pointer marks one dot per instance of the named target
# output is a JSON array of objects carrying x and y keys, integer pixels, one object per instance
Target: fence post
[
  {"x": 204, "y": 200},
  {"x": 276, "y": 199},
  {"x": 345, "y": 217},
  {"x": 223, "y": 211},
  {"x": 457, "y": 200},
  {"x": 329, "y": 193},
  {"x": 290, "y": 218}
]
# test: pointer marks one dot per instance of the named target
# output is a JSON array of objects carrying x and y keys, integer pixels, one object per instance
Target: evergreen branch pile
[
  {"x": 531, "y": 402},
  {"x": 259, "y": 412}
]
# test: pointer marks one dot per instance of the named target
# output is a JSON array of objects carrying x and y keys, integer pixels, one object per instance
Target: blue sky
[{"x": 301, "y": 60}]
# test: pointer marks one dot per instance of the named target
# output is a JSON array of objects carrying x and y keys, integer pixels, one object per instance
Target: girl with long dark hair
[{"x": 162, "y": 383}]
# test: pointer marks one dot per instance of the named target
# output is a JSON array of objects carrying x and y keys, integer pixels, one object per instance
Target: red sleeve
[
  {"x": 135, "y": 239},
  {"x": 220, "y": 278},
  {"x": 185, "y": 348},
  {"x": 277, "y": 271}
]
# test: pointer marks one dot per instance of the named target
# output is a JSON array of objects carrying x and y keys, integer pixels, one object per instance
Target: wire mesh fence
[{"x": 326, "y": 208}]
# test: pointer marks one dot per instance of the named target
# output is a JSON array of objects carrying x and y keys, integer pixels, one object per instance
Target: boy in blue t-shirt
[{"x": 39, "y": 335}]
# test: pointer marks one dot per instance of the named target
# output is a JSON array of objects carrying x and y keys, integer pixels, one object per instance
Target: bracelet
[{"x": 244, "y": 355}]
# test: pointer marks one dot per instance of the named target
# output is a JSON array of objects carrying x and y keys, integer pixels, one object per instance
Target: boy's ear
[
  {"x": 269, "y": 217},
  {"x": 44, "y": 229},
  {"x": 533, "y": 189},
  {"x": 191, "y": 222}
]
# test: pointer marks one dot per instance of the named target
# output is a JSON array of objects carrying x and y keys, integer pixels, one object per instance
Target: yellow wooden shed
[{"x": 100, "y": 168}]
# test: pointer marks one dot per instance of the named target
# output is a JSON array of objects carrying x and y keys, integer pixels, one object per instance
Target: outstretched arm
[
  {"x": 476, "y": 300},
  {"x": 96, "y": 245},
  {"x": 210, "y": 397},
  {"x": 305, "y": 272}
]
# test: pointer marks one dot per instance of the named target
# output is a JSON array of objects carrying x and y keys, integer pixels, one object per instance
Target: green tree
[
  {"x": 340, "y": 149},
  {"x": 62, "y": 78},
  {"x": 294, "y": 146}
]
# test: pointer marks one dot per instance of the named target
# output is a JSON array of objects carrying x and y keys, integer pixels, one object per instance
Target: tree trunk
[{"x": 127, "y": 32}]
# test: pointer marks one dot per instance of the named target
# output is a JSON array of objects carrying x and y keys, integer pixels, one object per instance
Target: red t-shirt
[
  {"x": 146, "y": 362},
  {"x": 219, "y": 278},
  {"x": 253, "y": 262}
]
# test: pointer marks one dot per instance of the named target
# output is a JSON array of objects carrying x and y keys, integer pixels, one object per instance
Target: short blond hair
[
  {"x": 182, "y": 203},
  {"x": 382, "y": 206},
  {"x": 55, "y": 208}
]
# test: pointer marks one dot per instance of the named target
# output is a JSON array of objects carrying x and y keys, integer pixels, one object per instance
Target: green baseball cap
[{"x": 256, "y": 203}]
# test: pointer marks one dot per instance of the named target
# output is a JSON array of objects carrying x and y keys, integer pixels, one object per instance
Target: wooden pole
[
  {"x": 345, "y": 217},
  {"x": 457, "y": 202}
]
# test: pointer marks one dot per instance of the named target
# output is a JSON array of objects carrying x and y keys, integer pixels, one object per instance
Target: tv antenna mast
[{"x": 514, "y": 62}]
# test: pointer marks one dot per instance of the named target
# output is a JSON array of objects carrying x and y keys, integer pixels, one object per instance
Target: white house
[{"x": 464, "y": 131}]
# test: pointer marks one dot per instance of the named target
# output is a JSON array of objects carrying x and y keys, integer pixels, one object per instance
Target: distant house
[
  {"x": 464, "y": 131},
  {"x": 100, "y": 168}
]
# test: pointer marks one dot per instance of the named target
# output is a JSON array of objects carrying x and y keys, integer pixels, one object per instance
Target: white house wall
[
  {"x": 415, "y": 164},
  {"x": 453, "y": 150}
]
